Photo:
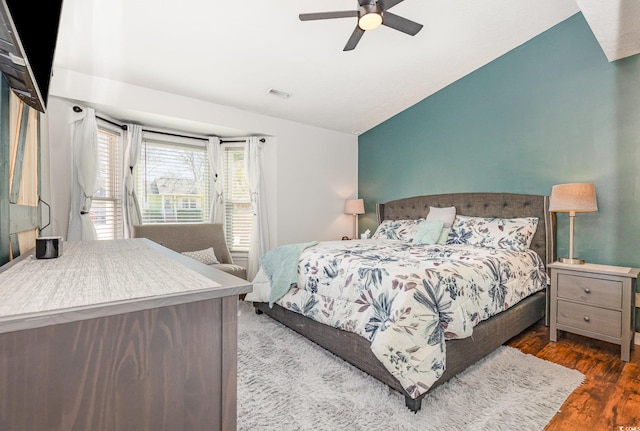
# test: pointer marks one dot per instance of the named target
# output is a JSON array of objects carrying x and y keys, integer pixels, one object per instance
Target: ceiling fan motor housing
[{"x": 370, "y": 16}]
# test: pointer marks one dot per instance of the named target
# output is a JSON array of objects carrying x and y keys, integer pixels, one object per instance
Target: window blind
[
  {"x": 238, "y": 210},
  {"x": 172, "y": 183},
  {"x": 106, "y": 206}
]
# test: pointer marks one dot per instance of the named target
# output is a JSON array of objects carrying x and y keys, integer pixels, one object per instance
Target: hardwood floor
[{"x": 609, "y": 398}]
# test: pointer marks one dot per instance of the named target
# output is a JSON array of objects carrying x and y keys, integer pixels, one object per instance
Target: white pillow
[
  {"x": 206, "y": 256},
  {"x": 404, "y": 230},
  {"x": 446, "y": 215},
  {"x": 497, "y": 233}
]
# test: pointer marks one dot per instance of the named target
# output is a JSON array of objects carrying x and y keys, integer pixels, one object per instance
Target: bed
[{"x": 460, "y": 344}]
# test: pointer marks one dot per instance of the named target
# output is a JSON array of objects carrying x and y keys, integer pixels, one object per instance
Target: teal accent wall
[{"x": 551, "y": 111}]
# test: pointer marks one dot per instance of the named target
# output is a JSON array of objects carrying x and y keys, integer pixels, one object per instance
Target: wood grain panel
[
  {"x": 27, "y": 240},
  {"x": 229, "y": 362},
  {"x": 5, "y": 165},
  {"x": 24, "y": 153},
  {"x": 593, "y": 319},
  {"x": 22, "y": 177},
  {"x": 590, "y": 290},
  {"x": 29, "y": 180},
  {"x": 150, "y": 370}
]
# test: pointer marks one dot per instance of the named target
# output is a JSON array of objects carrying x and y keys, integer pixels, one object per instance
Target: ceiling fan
[{"x": 371, "y": 14}]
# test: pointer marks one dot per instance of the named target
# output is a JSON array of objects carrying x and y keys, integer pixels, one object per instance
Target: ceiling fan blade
[
  {"x": 354, "y": 39},
  {"x": 401, "y": 24},
  {"x": 328, "y": 15},
  {"x": 388, "y": 4}
]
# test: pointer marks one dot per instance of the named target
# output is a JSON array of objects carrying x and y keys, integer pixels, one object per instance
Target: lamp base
[{"x": 571, "y": 261}]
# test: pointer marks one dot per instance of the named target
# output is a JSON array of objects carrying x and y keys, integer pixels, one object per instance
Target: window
[
  {"x": 190, "y": 203},
  {"x": 172, "y": 185},
  {"x": 173, "y": 180},
  {"x": 238, "y": 211},
  {"x": 106, "y": 206}
]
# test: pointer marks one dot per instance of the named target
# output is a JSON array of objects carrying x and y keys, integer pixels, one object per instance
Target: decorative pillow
[
  {"x": 428, "y": 232},
  {"x": 446, "y": 215},
  {"x": 404, "y": 230},
  {"x": 444, "y": 235},
  {"x": 206, "y": 256},
  {"x": 498, "y": 233}
]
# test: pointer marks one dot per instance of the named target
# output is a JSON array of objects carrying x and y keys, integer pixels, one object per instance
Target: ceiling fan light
[
  {"x": 370, "y": 21},
  {"x": 369, "y": 16}
]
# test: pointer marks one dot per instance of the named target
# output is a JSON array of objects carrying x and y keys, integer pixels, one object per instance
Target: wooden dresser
[
  {"x": 596, "y": 301},
  {"x": 118, "y": 336}
]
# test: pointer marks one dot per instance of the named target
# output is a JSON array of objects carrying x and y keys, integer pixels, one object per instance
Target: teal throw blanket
[{"x": 281, "y": 266}]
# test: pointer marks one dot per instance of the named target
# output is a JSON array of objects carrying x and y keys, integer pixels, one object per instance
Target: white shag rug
[{"x": 287, "y": 383}]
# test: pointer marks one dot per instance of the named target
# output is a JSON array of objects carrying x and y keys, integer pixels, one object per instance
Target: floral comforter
[{"x": 408, "y": 299}]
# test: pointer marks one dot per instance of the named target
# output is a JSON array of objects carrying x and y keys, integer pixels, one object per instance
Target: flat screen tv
[{"x": 28, "y": 36}]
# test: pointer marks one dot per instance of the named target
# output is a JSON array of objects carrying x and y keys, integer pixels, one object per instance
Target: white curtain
[
  {"x": 260, "y": 230},
  {"x": 85, "y": 177},
  {"x": 214, "y": 153},
  {"x": 132, "y": 155}
]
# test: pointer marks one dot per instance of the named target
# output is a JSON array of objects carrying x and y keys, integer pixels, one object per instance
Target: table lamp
[
  {"x": 354, "y": 207},
  {"x": 573, "y": 198}
]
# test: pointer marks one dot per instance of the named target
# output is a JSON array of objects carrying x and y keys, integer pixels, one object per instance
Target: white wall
[
  {"x": 45, "y": 187},
  {"x": 59, "y": 116},
  {"x": 309, "y": 171}
]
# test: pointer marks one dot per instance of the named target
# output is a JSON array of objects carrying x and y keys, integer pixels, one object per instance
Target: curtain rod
[
  {"x": 174, "y": 134},
  {"x": 225, "y": 141},
  {"x": 122, "y": 126},
  {"x": 231, "y": 141}
]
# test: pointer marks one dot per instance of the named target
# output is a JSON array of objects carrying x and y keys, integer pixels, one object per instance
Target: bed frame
[{"x": 488, "y": 335}]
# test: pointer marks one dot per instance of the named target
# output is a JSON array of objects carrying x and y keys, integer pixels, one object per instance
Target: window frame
[{"x": 173, "y": 201}]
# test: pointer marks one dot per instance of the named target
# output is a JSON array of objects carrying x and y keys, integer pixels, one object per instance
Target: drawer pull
[
  {"x": 587, "y": 290},
  {"x": 586, "y": 318}
]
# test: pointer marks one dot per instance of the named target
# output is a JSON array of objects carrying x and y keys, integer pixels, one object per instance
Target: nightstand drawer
[
  {"x": 602, "y": 292},
  {"x": 588, "y": 318}
]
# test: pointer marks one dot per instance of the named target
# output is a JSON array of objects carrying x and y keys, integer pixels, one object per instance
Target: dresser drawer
[
  {"x": 589, "y": 318},
  {"x": 596, "y": 291}
]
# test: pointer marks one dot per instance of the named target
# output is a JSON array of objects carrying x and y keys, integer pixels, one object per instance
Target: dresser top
[
  {"x": 99, "y": 278},
  {"x": 598, "y": 269}
]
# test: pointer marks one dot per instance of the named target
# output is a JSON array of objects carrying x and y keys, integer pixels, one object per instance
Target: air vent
[{"x": 279, "y": 93}]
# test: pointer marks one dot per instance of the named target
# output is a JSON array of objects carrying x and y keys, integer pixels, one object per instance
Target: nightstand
[{"x": 596, "y": 301}]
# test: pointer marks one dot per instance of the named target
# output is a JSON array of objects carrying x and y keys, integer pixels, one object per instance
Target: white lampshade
[
  {"x": 354, "y": 206},
  {"x": 574, "y": 197}
]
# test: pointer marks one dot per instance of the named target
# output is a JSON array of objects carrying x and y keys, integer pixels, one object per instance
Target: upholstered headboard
[{"x": 504, "y": 205}]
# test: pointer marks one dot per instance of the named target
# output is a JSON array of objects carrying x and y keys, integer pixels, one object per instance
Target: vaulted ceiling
[{"x": 234, "y": 52}]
